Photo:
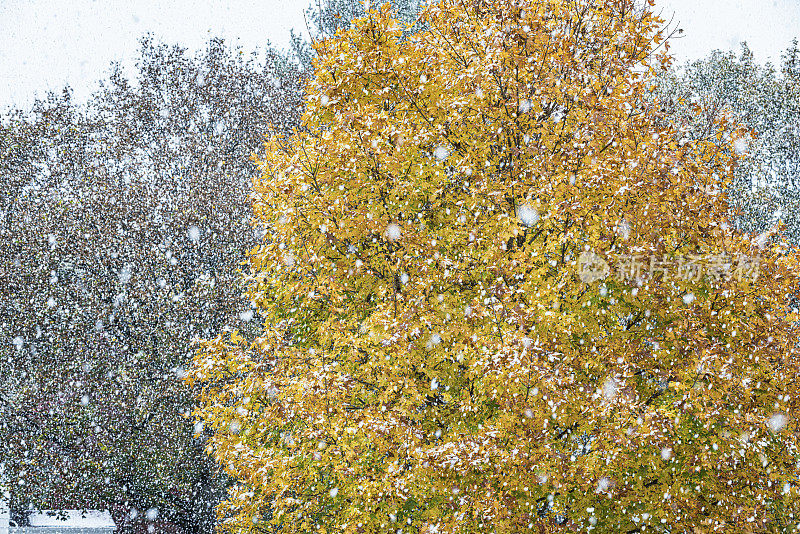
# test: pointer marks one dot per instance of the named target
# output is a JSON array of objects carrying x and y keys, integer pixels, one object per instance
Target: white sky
[
  {"x": 768, "y": 26},
  {"x": 45, "y": 44}
]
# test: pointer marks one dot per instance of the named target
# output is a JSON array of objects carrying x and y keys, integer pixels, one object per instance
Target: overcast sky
[{"x": 45, "y": 44}]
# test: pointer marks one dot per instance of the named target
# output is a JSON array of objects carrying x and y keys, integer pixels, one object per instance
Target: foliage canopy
[{"x": 433, "y": 358}]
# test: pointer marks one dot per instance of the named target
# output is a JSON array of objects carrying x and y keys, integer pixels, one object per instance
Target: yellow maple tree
[{"x": 500, "y": 294}]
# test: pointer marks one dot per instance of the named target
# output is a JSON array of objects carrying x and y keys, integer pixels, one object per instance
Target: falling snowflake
[
  {"x": 528, "y": 215},
  {"x": 610, "y": 388},
  {"x": 194, "y": 234},
  {"x": 125, "y": 274},
  {"x": 624, "y": 229},
  {"x": 777, "y": 422},
  {"x": 393, "y": 232},
  {"x": 434, "y": 340}
]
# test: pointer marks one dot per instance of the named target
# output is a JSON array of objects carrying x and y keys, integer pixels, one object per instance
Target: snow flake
[
  {"x": 194, "y": 234},
  {"x": 624, "y": 229},
  {"x": 777, "y": 422},
  {"x": 393, "y": 232},
  {"x": 125, "y": 274},
  {"x": 441, "y": 152},
  {"x": 761, "y": 239},
  {"x": 528, "y": 215},
  {"x": 610, "y": 388}
]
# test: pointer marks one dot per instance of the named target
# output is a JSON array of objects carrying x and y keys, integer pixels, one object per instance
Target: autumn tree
[
  {"x": 501, "y": 292},
  {"x": 325, "y": 17},
  {"x": 124, "y": 221}
]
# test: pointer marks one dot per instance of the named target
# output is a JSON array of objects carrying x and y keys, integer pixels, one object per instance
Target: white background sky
[{"x": 45, "y": 44}]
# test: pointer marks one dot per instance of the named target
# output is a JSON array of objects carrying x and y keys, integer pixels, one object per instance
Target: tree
[
  {"x": 767, "y": 102},
  {"x": 433, "y": 356},
  {"x": 326, "y": 17},
  {"x": 443, "y": 347},
  {"x": 123, "y": 222}
]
